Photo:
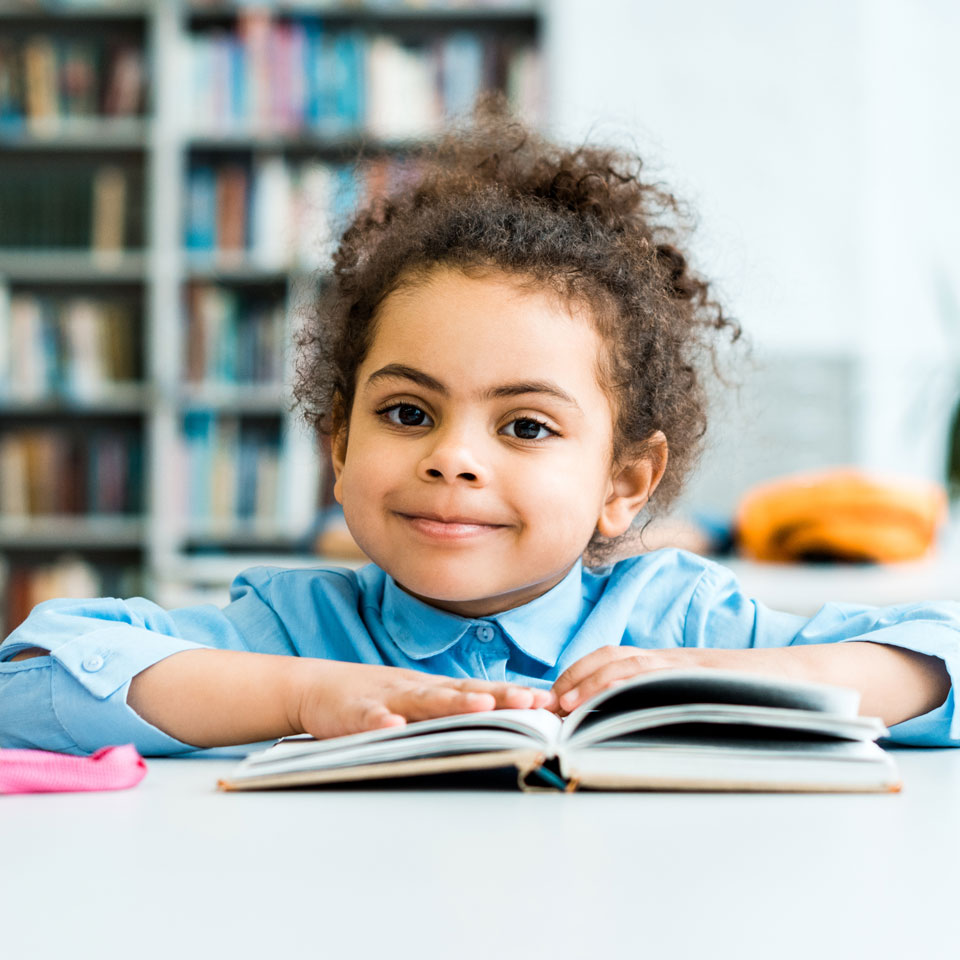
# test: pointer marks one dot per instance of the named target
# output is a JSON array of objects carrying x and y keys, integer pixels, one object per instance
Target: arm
[
  {"x": 686, "y": 611},
  {"x": 217, "y": 697},
  {"x": 894, "y": 684},
  {"x": 118, "y": 672}
]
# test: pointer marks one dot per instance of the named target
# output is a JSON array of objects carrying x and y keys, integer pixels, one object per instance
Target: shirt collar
[
  {"x": 540, "y": 628},
  {"x": 543, "y": 627},
  {"x": 418, "y": 629}
]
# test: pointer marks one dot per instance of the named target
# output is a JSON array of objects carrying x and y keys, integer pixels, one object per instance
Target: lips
[
  {"x": 451, "y": 518},
  {"x": 449, "y": 527}
]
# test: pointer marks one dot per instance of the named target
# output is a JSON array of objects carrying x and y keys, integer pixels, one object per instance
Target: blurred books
[
  {"x": 52, "y": 81},
  {"x": 284, "y": 76},
  {"x": 74, "y": 347},
  {"x": 83, "y": 205},
  {"x": 51, "y": 471}
]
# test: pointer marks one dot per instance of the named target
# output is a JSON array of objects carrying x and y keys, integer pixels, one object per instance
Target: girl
[{"x": 507, "y": 368}]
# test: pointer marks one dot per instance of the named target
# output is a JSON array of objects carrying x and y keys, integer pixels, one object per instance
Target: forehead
[{"x": 490, "y": 327}]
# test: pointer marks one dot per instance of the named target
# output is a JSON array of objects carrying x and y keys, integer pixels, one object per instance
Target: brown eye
[
  {"x": 524, "y": 428},
  {"x": 405, "y": 415}
]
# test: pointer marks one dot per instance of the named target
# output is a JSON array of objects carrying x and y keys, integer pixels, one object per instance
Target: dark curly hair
[{"x": 582, "y": 222}]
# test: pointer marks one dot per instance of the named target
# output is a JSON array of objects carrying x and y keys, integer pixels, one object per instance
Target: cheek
[
  {"x": 369, "y": 469},
  {"x": 566, "y": 492}
]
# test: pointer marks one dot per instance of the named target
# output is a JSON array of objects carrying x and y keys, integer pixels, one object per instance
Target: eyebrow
[{"x": 400, "y": 371}]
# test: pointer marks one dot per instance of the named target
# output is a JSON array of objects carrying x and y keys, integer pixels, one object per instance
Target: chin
[{"x": 447, "y": 589}]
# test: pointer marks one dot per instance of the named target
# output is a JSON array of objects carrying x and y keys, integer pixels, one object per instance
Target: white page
[
  {"x": 541, "y": 727},
  {"x": 441, "y": 744}
]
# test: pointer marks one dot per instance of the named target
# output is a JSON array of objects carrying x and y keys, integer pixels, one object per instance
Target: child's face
[{"x": 478, "y": 458}]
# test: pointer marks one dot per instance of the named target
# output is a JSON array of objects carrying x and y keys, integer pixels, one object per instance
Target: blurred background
[{"x": 173, "y": 173}]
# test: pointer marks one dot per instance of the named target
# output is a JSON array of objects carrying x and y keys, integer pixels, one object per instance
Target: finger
[
  {"x": 507, "y": 695},
  {"x": 375, "y": 716},
  {"x": 426, "y": 701},
  {"x": 601, "y": 679},
  {"x": 543, "y": 699},
  {"x": 585, "y": 666}
]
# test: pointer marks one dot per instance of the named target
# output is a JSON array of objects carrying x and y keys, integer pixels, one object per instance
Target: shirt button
[
  {"x": 485, "y": 633},
  {"x": 93, "y": 663}
]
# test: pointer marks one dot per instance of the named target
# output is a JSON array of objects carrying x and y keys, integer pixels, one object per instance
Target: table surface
[{"x": 175, "y": 869}]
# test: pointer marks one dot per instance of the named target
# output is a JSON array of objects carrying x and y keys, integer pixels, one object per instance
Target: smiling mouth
[{"x": 449, "y": 528}]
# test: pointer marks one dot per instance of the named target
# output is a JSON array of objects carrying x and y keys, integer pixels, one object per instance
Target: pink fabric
[{"x": 40, "y": 771}]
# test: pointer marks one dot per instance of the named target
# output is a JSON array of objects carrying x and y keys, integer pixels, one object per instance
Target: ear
[
  {"x": 338, "y": 456},
  {"x": 632, "y": 485}
]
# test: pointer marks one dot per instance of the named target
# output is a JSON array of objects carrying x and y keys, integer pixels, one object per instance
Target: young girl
[{"x": 507, "y": 368}]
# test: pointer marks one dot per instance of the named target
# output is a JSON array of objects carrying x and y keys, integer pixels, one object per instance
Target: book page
[
  {"x": 540, "y": 727},
  {"x": 676, "y": 687},
  {"x": 731, "y": 721}
]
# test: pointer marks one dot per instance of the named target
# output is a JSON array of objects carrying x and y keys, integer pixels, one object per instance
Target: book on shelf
[
  {"x": 279, "y": 214},
  {"x": 49, "y": 471},
  {"x": 245, "y": 474},
  {"x": 108, "y": 219},
  {"x": 233, "y": 470},
  {"x": 74, "y": 347},
  {"x": 666, "y": 730},
  {"x": 291, "y": 74},
  {"x": 234, "y": 337},
  {"x": 49, "y": 80},
  {"x": 82, "y": 205}
]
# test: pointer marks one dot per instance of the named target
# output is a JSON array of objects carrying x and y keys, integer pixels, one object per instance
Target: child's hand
[
  {"x": 337, "y": 698},
  {"x": 609, "y": 666}
]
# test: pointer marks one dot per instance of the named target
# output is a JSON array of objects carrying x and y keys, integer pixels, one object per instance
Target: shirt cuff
[
  {"x": 939, "y": 727},
  {"x": 90, "y": 682}
]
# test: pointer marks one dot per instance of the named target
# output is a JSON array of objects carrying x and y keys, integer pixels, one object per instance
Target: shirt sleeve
[
  {"x": 721, "y": 615},
  {"x": 74, "y": 699}
]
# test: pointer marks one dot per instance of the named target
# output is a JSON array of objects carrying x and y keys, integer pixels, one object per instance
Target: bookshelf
[{"x": 172, "y": 176}]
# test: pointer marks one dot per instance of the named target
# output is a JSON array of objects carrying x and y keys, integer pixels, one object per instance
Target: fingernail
[{"x": 569, "y": 698}]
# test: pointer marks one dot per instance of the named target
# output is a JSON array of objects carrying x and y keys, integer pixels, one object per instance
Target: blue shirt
[{"x": 74, "y": 700}]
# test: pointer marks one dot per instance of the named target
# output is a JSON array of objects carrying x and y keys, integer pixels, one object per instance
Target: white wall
[{"x": 819, "y": 143}]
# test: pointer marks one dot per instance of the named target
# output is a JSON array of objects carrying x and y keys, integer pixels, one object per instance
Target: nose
[{"x": 452, "y": 458}]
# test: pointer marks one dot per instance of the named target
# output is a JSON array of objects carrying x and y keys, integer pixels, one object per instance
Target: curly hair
[{"x": 493, "y": 195}]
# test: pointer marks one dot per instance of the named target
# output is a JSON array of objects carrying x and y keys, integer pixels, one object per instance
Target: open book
[{"x": 667, "y": 730}]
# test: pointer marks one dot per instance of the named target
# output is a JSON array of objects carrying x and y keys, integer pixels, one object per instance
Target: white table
[{"x": 174, "y": 869}]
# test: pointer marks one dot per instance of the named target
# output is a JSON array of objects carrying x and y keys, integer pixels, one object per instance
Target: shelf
[
  {"x": 379, "y": 15},
  {"x": 236, "y": 535},
  {"x": 72, "y": 532},
  {"x": 118, "y": 401},
  {"x": 71, "y": 265},
  {"x": 66, "y": 135},
  {"x": 120, "y": 10},
  {"x": 239, "y": 267},
  {"x": 157, "y": 151},
  {"x": 236, "y": 398},
  {"x": 340, "y": 146}
]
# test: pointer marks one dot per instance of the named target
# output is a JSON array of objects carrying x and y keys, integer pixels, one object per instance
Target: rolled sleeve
[
  {"x": 104, "y": 660},
  {"x": 74, "y": 700},
  {"x": 113, "y": 722},
  {"x": 721, "y": 615},
  {"x": 939, "y": 727},
  {"x": 102, "y": 664}
]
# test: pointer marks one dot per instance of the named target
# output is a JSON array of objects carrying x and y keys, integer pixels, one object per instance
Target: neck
[{"x": 473, "y": 609}]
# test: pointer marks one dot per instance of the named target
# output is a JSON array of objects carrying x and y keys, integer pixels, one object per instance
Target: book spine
[
  {"x": 47, "y": 472},
  {"x": 201, "y": 214},
  {"x": 76, "y": 347}
]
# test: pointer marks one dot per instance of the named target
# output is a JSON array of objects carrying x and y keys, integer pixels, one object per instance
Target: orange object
[{"x": 842, "y": 515}]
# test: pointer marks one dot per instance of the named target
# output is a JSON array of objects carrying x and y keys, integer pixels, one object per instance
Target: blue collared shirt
[{"x": 74, "y": 700}]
